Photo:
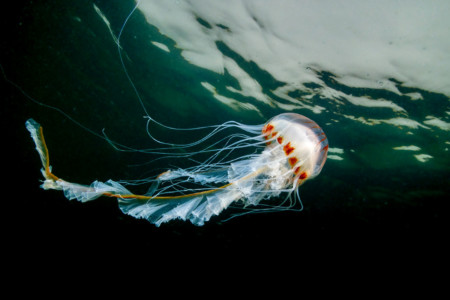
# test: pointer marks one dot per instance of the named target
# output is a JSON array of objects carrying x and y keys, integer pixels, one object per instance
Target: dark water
[{"x": 64, "y": 56}]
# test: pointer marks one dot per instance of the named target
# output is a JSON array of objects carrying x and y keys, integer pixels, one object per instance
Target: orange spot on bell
[
  {"x": 303, "y": 175},
  {"x": 280, "y": 140},
  {"x": 266, "y": 132},
  {"x": 288, "y": 149},
  {"x": 267, "y": 129},
  {"x": 293, "y": 161}
]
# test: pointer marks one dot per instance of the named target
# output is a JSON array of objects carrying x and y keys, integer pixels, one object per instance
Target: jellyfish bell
[
  {"x": 303, "y": 142},
  {"x": 294, "y": 149}
]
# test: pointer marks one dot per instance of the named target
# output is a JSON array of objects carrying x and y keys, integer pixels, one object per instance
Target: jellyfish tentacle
[
  {"x": 37, "y": 134},
  {"x": 295, "y": 151},
  {"x": 71, "y": 190},
  {"x": 141, "y": 204},
  {"x": 54, "y": 182}
]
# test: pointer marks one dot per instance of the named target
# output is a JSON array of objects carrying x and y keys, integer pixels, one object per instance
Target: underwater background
[{"x": 375, "y": 76}]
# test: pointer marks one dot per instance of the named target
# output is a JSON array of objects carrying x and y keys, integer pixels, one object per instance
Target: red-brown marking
[
  {"x": 297, "y": 170},
  {"x": 288, "y": 149},
  {"x": 303, "y": 175},
  {"x": 266, "y": 132},
  {"x": 292, "y": 161},
  {"x": 325, "y": 148},
  {"x": 267, "y": 129},
  {"x": 280, "y": 140}
]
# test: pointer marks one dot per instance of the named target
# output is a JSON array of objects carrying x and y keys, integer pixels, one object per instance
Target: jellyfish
[{"x": 293, "y": 149}]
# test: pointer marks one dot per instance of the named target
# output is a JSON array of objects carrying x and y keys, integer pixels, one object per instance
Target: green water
[{"x": 64, "y": 56}]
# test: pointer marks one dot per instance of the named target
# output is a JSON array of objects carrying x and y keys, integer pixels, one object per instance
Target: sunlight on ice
[
  {"x": 161, "y": 46},
  {"x": 335, "y": 151},
  {"x": 249, "y": 86},
  {"x": 232, "y": 103},
  {"x": 289, "y": 40},
  {"x": 423, "y": 157},
  {"x": 404, "y": 122},
  {"x": 362, "y": 100},
  {"x": 433, "y": 121},
  {"x": 414, "y": 96},
  {"x": 334, "y": 157},
  {"x": 399, "y": 122},
  {"x": 407, "y": 148}
]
